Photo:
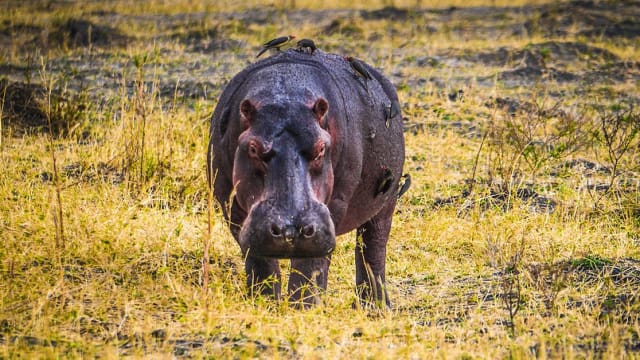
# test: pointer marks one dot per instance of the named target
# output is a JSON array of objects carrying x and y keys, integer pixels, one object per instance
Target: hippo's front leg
[
  {"x": 308, "y": 278},
  {"x": 370, "y": 254},
  {"x": 263, "y": 274}
]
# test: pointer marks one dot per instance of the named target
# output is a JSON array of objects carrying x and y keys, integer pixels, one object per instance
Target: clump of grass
[
  {"x": 523, "y": 143},
  {"x": 57, "y": 218},
  {"x": 590, "y": 262},
  {"x": 618, "y": 131}
]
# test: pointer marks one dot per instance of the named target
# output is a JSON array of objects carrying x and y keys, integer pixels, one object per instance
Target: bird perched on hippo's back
[
  {"x": 391, "y": 111},
  {"x": 276, "y": 43},
  {"x": 404, "y": 185},
  {"x": 360, "y": 70},
  {"x": 305, "y": 44}
]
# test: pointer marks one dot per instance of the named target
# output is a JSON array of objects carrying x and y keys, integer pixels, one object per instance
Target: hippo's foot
[
  {"x": 305, "y": 297},
  {"x": 372, "y": 294},
  {"x": 263, "y": 276},
  {"x": 308, "y": 280}
]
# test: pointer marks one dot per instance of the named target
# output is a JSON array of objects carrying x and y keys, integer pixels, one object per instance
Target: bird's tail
[{"x": 261, "y": 52}]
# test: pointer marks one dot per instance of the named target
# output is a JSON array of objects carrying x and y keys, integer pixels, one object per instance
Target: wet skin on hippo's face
[{"x": 283, "y": 179}]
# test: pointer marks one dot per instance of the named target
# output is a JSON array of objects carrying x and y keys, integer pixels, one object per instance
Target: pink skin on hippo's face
[{"x": 283, "y": 179}]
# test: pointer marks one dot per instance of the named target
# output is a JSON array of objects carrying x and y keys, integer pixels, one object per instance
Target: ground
[{"x": 519, "y": 237}]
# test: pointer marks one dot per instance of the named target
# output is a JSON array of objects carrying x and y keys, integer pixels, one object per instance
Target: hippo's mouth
[
  {"x": 255, "y": 244},
  {"x": 291, "y": 254},
  {"x": 265, "y": 233}
]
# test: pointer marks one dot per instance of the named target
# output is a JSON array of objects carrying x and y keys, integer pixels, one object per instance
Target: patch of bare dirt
[
  {"x": 530, "y": 75},
  {"x": 498, "y": 198},
  {"x": 82, "y": 33},
  {"x": 345, "y": 27},
  {"x": 91, "y": 172},
  {"x": 386, "y": 13},
  {"x": 212, "y": 39},
  {"x": 514, "y": 106},
  {"x": 614, "y": 72},
  {"x": 9, "y": 29},
  {"x": 12, "y": 35},
  {"x": 560, "y": 62},
  {"x": 550, "y": 52},
  {"x": 188, "y": 89},
  {"x": 617, "y": 19},
  {"x": 626, "y": 29}
]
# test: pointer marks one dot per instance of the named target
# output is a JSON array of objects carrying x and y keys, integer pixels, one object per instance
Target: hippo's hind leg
[
  {"x": 263, "y": 275},
  {"x": 308, "y": 279},
  {"x": 371, "y": 250}
]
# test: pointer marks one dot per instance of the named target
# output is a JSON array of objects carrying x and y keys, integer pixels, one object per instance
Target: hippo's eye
[
  {"x": 260, "y": 152},
  {"x": 319, "y": 153},
  {"x": 318, "y": 156},
  {"x": 255, "y": 150}
]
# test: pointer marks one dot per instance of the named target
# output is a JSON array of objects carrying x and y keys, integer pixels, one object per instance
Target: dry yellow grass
[
  {"x": 469, "y": 276},
  {"x": 189, "y": 6}
]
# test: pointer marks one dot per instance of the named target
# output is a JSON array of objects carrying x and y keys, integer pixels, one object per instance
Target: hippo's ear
[
  {"x": 320, "y": 108},
  {"x": 247, "y": 113}
]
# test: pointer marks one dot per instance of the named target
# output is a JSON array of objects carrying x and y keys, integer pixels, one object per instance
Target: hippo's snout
[{"x": 270, "y": 232}]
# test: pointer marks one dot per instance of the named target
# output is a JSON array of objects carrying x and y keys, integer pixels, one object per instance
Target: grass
[
  {"x": 186, "y": 6},
  {"x": 475, "y": 270}
]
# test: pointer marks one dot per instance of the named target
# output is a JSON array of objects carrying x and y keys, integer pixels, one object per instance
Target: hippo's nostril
[
  {"x": 275, "y": 230},
  {"x": 308, "y": 231}
]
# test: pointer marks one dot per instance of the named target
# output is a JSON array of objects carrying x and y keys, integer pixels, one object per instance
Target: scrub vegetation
[{"x": 519, "y": 238}]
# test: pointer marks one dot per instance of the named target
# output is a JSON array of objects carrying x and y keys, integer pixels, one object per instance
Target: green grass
[{"x": 469, "y": 277}]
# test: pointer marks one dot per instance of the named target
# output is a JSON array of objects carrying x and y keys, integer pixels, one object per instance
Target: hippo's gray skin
[{"x": 300, "y": 149}]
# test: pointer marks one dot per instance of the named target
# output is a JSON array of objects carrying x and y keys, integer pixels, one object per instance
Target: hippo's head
[{"x": 283, "y": 178}]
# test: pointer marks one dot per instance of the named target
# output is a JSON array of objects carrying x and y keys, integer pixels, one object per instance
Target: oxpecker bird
[
  {"x": 360, "y": 69},
  {"x": 307, "y": 44},
  {"x": 391, "y": 111},
  {"x": 385, "y": 182},
  {"x": 276, "y": 43},
  {"x": 405, "y": 185}
]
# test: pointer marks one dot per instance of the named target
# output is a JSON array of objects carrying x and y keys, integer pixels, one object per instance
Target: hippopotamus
[{"x": 300, "y": 151}]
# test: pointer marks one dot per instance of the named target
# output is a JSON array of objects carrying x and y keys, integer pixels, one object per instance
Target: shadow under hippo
[{"x": 302, "y": 150}]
